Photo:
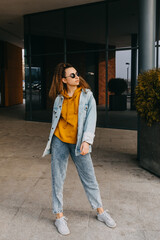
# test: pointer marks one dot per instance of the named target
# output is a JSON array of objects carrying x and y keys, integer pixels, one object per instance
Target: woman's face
[{"x": 71, "y": 78}]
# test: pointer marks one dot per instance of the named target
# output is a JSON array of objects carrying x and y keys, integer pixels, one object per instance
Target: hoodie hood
[{"x": 65, "y": 95}]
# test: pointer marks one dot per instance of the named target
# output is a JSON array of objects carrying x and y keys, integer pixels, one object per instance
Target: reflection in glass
[
  {"x": 87, "y": 65},
  {"x": 78, "y": 35},
  {"x": 37, "y": 90},
  {"x": 119, "y": 114},
  {"x": 92, "y": 67}
]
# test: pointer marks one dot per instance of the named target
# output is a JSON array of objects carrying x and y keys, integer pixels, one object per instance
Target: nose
[{"x": 76, "y": 75}]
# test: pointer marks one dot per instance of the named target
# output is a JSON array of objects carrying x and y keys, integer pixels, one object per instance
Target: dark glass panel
[
  {"x": 47, "y": 32},
  {"x": 87, "y": 65},
  {"x": 92, "y": 67},
  {"x": 122, "y": 22},
  {"x": 38, "y": 104},
  {"x": 85, "y": 27},
  {"x": 119, "y": 103}
]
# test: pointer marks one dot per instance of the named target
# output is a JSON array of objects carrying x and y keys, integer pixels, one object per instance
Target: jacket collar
[{"x": 86, "y": 90}]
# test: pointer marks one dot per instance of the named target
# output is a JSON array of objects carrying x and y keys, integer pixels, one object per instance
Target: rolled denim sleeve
[{"x": 90, "y": 121}]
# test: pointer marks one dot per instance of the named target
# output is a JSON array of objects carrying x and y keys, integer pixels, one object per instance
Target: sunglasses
[{"x": 73, "y": 75}]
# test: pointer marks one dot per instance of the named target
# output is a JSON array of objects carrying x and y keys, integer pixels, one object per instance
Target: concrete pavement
[{"x": 131, "y": 194}]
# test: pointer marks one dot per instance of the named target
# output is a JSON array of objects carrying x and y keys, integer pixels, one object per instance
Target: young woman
[{"x": 72, "y": 132}]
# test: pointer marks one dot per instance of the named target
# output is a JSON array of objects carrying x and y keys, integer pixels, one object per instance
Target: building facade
[{"x": 90, "y": 37}]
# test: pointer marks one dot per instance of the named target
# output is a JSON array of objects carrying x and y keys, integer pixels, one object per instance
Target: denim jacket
[{"x": 87, "y": 117}]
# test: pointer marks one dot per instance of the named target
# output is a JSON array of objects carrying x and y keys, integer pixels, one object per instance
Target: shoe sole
[
  {"x": 107, "y": 224},
  {"x": 64, "y": 234}
]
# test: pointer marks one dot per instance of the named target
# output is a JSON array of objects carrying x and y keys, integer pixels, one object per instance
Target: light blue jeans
[{"x": 59, "y": 160}]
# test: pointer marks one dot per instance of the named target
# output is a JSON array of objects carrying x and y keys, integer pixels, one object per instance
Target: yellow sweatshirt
[{"x": 66, "y": 129}]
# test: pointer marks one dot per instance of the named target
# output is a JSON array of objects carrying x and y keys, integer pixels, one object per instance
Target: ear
[{"x": 64, "y": 80}]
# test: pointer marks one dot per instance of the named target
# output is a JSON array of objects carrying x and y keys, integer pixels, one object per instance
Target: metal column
[
  {"x": 157, "y": 32},
  {"x": 147, "y": 26}
]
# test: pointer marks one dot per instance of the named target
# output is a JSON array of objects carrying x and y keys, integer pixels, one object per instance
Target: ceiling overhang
[{"x": 12, "y": 12}]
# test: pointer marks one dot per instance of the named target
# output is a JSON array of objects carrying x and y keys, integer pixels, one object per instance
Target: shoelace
[
  {"x": 64, "y": 220},
  {"x": 106, "y": 213}
]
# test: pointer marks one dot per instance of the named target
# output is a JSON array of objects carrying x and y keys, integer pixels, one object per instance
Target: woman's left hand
[{"x": 84, "y": 148}]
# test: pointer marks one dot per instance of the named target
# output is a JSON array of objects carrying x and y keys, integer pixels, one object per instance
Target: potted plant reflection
[{"x": 117, "y": 100}]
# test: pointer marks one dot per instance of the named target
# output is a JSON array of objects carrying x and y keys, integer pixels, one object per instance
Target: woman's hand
[{"x": 84, "y": 148}]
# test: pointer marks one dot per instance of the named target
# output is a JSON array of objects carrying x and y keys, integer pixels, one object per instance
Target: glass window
[
  {"x": 92, "y": 67},
  {"x": 120, "y": 94},
  {"x": 78, "y": 35},
  {"x": 38, "y": 104},
  {"x": 47, "y": 32},
  {"x": 123, "y": 21},
  {"x": 122, "y": 30},
  {"x": 85, "y": 27},
  {"x": 88, "y": 65}
]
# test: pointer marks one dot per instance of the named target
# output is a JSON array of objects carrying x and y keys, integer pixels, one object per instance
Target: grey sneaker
[
  {"x": 106, "y": 218},
  {"x": 61, "y": 224}
]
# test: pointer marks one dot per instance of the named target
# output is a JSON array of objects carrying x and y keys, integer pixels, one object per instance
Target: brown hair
[{"x": 57, "y": 85}]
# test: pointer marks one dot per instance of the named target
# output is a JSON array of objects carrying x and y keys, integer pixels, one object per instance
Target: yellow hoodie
[{"x": 66, "y": 129}]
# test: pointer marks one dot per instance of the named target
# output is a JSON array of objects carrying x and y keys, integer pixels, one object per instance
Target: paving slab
[{"x": 130, "y": 193}]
